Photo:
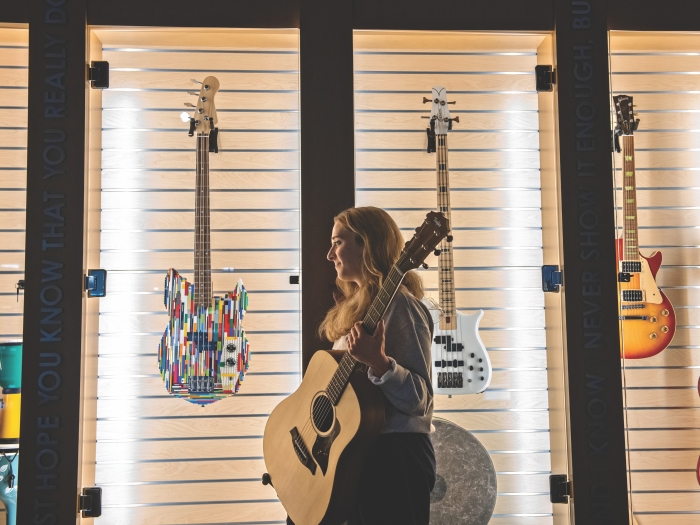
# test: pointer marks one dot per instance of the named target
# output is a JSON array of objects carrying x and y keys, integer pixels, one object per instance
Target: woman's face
[{"x": 346, "y": 254}]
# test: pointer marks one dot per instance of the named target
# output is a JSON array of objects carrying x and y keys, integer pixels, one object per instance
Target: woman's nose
[{"x": 330, "y": 255}]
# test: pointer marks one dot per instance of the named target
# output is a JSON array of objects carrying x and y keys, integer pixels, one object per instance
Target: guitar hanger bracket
[
  {"x": 96, "y": 283},
  {"x": 432, "y": 145},
  {"x": 545, "y": 78},
  {"x": 552, "y": 278},
  {"x": 98, "y": 74}
]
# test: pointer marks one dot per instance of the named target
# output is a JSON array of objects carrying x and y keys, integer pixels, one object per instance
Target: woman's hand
[{"x": 369, "y": 349}]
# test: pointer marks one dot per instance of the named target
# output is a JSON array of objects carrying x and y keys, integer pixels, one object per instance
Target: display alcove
[
  {"x": 660, "y": 72},
  {"x": 13, "y": 180},
  {"x": 157, "y": 458},
  {"x": 505, "y": 222}
]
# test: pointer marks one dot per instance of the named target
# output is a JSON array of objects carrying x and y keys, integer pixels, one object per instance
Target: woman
[{"x": 399, "y": 470}]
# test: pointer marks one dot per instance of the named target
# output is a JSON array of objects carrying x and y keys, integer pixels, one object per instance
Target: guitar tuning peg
[
  {"x": 449, "y": 238},
  {"x": 195, "y": 81},
  {"x": 426, "y": 100},
  {"x": 424, "y": 116},
  {"x": 425, "y": 266},
  {"x": 194, "y": 94},
  {"x": 456, "y": 119},
  {"x": 185, "y": 116},
  {"x": 437, "y": 252},
  {"x": 189, "y": 105},
  {"x": 453, "y": 102}
]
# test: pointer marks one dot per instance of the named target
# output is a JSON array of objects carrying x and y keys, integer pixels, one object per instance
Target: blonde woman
[{"x": 399, "y": 471}]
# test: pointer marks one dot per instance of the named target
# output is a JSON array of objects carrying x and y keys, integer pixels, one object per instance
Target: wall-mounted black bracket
[
  {"x": 559, "y": 488},
  {"x": 293, "y": 279},
  {"x": 19, "y": 286},
  {"x": 98, "y": 74},
  {"x": 90, "y": 502},
  {"x": 96, "y": 283},
  {"x": 552, "y": 278},
  {"x": 545, "y": 78}
]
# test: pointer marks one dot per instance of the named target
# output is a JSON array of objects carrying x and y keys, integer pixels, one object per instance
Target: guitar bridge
[{"x": 301, "y": 451}]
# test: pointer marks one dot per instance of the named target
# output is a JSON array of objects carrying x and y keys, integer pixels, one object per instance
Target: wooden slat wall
[
  {"x": 496, "y": 219},
  {"x": 13, "y": 179},
  {"x": 661, "y": 72},
  {"x": 161, "y": 460}
]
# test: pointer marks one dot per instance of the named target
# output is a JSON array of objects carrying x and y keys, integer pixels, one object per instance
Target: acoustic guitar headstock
[{"x": 428, "y": 235}]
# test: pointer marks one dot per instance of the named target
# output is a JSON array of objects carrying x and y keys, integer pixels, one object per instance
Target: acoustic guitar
[
  {"x": 647, "y": 318},
  {"x": 204, "y": 353},
  {"x": 461, "y": 364},
  {"x": 316, "y": 439}
]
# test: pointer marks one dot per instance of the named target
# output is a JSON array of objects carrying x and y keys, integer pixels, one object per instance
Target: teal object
[
  {"x": 11, "y": 365},
  {"x": 9, "y": 466}
]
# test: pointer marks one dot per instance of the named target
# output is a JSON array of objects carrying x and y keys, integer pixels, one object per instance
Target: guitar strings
[{"x": 335, "y": 386}]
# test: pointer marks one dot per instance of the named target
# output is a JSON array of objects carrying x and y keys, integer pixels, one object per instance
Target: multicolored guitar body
[{"x": 204, "y": 352}]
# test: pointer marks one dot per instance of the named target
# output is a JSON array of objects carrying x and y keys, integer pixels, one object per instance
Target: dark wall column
[
  {"x": 327, "y": 151},
  {"x": 54, "y": 263},
  {"x": 592, "y": 333}
]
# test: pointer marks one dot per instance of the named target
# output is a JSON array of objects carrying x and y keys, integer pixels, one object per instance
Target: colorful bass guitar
[
  {"x": 204, "y": 352},
  {"x": 461, "y": 364},
  {"x": 315, "y": 440},
  {"x": 647, "y": 319}
]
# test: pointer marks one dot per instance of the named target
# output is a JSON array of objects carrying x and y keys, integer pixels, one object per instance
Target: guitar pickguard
[{"x": 322, "y": 447}]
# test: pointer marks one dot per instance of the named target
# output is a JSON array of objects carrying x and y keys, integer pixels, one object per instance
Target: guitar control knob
[
  {"x": 653, "y": 335},
  {"x": 664, "y": 329},
  {"x": 481, "y": 369},
  {"x": 230, "y": 361},
  {"x": 480, "y": 360},
  {"x": 471, "y": 368},
  {"x": 482, "y": 378},
  {"x": 665, "y": 312},
  {"x": 653, "y": 319},
  {"x": 471, "y": 355},
  {"x": 231, "y": 347}
]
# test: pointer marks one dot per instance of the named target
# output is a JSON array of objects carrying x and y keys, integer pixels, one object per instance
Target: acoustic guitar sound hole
[{"x": 322, "y": 413}]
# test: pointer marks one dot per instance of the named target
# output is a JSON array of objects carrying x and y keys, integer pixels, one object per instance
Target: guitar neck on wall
[
  {"x": 647, "y": 318},
  {"x": 461, "y": 364}
]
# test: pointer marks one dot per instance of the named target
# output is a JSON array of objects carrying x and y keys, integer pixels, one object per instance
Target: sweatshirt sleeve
[{"x": 408, "y": 334}]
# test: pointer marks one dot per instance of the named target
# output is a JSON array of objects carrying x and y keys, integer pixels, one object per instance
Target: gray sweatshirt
[{"x": 408, "y": 392}]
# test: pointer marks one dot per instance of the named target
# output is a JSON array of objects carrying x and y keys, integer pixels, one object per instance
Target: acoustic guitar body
[
  {"x": 648, "y": 326},
  {"x": 322, "y": 491}
]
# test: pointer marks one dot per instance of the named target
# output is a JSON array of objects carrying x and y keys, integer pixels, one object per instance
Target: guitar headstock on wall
[
  {"x": 428, "y": 235},
  {"x": 624, "y": 112},
  {"x": 204, "y": 120},
  {"x": 440, "y": 120}
]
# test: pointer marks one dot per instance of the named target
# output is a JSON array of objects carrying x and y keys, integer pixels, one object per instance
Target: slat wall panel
[
  {"x": 494, "y": 163},
  {"x": 663, "y": 408},
  {"x": 162, "y": 460},
  {"x": 14, "y": 60}
]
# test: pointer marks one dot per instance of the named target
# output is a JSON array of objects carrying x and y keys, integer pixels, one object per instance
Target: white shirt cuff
[{"x": 387, "y": 375}]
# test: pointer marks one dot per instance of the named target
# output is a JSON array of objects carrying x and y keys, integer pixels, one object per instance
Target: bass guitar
[
  {"x": 204, "y": 353},
  {"x": 316, "y": 439},
  {"x": 647, "y": 319},
  {"x": 461, "y": 364}
]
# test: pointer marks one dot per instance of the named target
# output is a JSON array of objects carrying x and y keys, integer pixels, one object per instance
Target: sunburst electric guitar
[
  {"x": 316, "y": 439},
  {"x": 204, "y": 353},
  {"x": 461, "y": 364},
  {"x": 647, "y": 319}
]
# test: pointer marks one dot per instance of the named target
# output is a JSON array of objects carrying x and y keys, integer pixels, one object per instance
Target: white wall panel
[
  {"x": 161, "y": 460},
  {"x": 494, "y": 161},
  {"x": 663, "y": 408}
]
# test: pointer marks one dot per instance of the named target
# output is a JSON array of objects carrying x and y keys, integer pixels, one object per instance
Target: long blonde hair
[{"x": 382, "y": 243}]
